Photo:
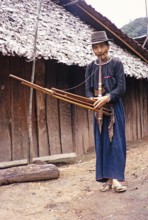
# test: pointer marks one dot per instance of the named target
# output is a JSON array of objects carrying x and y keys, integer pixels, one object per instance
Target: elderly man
[{"x": 110, "y": 142}]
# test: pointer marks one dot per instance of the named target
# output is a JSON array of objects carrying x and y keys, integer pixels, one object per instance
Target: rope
[
  {"x": 87, "y": 77},
  {"x": 80, "y": 84}
]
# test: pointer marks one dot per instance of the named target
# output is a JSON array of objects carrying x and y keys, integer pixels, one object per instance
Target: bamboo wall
[{"x": 58, "y": 127}]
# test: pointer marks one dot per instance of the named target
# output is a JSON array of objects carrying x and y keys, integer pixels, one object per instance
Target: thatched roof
[{"x": 61, "y": 36}]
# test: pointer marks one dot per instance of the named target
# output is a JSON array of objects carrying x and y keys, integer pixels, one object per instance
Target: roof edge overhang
[{"x": 90, "y": 16}]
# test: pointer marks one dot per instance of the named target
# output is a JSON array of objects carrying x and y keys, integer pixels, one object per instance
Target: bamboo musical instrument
[
  {"x": 99, "y": 114},
  {"x": 78, "y": 100}
]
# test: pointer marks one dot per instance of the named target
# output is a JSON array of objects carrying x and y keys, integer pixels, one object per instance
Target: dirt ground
[{"x": 75, "y": 195}]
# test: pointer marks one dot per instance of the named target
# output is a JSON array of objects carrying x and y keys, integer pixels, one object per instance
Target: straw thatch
[{"x": 61, "y": 36}]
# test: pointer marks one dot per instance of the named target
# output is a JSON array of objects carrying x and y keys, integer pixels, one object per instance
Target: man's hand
[{"x": 101, "y": 101}]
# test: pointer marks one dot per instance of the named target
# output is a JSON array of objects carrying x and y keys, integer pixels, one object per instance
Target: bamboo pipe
[
  {"x": 72, "y": 98},
  {"x": 62, "y": 95},
  {"x": 77, "y": 98},
  {"x": 80, "y": 103},
  {"x": 50, "y": 92},
  {"x": 73, "y": 95},
  {"x": 66, "y": 99},
  {"x": 99, "y": 114}
]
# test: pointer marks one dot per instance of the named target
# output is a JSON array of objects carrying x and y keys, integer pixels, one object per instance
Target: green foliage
[{"x": 136, "y": 28}]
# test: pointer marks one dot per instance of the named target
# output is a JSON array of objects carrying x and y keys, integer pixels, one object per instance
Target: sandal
[
  {"x": 105, "y": 187},
  {"x": 119, "y": 188}
]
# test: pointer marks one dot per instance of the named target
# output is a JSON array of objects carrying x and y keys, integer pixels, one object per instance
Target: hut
[{"x": 62, "y": 53}]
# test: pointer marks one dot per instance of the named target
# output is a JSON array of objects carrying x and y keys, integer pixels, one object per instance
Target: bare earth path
[{"x": 75, "y": 195}]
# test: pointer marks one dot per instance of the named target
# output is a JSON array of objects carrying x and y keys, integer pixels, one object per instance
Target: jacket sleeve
[
  {"x": 88, "y": 89},
  {"x": 120, "y": 88}
]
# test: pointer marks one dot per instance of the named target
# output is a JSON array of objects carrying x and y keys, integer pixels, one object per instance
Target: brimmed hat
[{"x": 99, "y": 37}]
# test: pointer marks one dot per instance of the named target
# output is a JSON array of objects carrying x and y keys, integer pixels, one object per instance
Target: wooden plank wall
[
  {"x": 18, "y": 106},
  {"x": 136, "y": 109},
  {"x": 5, "y": 111},
  {"x": 13, "y": 110},
  {"x": 58, "y": 127},
  {"x": 68, "y": 125},
  {"x": 42, "y": 129}
]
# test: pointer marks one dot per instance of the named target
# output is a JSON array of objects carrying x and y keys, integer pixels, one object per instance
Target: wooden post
[{"x": 29, "y": 120}]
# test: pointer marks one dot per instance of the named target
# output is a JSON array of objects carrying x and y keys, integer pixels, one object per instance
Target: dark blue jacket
[{"x": 113, "y": 79}]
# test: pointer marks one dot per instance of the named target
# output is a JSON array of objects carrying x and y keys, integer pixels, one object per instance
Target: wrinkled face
[{"x": 101, "y": 50}]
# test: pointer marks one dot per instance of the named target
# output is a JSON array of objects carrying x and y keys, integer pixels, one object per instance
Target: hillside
[{"x": 136, "y": 28}]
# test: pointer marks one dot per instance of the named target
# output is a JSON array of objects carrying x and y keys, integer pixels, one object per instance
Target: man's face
[{"x": 101, "y": 50}]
